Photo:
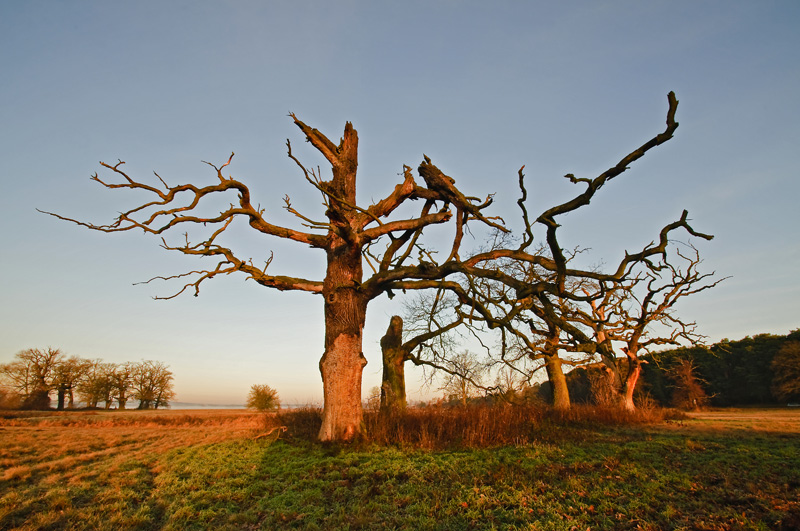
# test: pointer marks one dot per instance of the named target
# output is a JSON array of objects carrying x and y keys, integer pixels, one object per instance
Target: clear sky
[{"x": 480, "y": 87}]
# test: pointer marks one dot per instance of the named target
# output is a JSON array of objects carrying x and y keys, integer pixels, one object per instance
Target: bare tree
[
  {"x": 432, "y": 318},
  {"x": 98, "y": 384},
  {"x": 535, "y": 297},
  {"x": 463, "y": 377},
  {"x": 349, "y": 237},
  {"x": 640, "y": 314},
  {"x": 121, "y": 381},
  {"x": 151, "y": 384},
  {"x": 688, "y": 392},
  {"x": 31, "y": 374},
  {"x": 67, "y": 377}
]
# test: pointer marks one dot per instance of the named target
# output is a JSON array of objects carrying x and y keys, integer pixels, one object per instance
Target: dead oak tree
[{"x": 348, "y": 237}]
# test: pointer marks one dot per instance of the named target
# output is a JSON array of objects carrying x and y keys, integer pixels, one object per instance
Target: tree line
[
  {"x": 541, "y": 305},
  {"x": 35, "y": 374},
  {"x": 760, "y": 370}
]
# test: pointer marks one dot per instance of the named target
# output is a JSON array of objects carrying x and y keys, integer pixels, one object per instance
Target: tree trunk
[
  {"x": 558, "y": 382},
  {"x": 61, "y": 393},
  {"x": 393, "y": 387},
  {"x": 628, "y": 388},
  {"x": 343, "y": 361}
]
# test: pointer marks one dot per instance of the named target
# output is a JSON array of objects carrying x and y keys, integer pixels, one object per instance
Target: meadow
[{"x": 726, "y": 469}]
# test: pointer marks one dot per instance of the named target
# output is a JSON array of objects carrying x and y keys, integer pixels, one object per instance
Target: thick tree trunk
[
  {"x": 558, "y": 382},
  {"x": 343, "y": 362},
  {"x": 393, "y": 387}
]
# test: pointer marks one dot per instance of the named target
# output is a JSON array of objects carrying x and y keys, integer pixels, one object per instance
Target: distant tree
[
  {"x": 786, "y": 372},
  {"x": 373, "y": 401},
  {"x": 510, "y": 385},
  {"x": 734, "y": 372},
  {"x": 67, "y": 377},
  {"x": 121, "y": 381},
  {"x": 689, "y": 392},
  {"x": 98, "y": 384},
  {"x": 31, "y": 375},
  {"x": 151, "y": 384},
  {"x": 263, "y": 398},
  {"x": 463, "y": 377}
]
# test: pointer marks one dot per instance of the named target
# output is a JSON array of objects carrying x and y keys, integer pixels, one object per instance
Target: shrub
[{"x": 263, "y": 398}]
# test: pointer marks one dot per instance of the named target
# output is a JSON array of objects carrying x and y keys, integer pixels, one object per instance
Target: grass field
[{"x": 735, "y": 469}]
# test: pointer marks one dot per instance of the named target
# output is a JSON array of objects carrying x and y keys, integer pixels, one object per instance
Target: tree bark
[
  {"x": 558, "y": 382},
  {"x": 343, "y": 362},
  {"x": 629, "y": 387},
  {"x": 393, "y": 387}
]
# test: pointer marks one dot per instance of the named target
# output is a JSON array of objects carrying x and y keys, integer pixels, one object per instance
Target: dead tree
[
  {"x": 640, "y": 314},
  {"x": 349, "y": 237}
]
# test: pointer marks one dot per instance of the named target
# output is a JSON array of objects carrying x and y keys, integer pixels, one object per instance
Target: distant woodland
[{"x": 759, "y": 370}]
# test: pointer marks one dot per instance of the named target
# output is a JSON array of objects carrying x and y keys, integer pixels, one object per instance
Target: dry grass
[
  {"x": 70, "y": 446},
  {"x": 778, "y": 420},
  {"x": 477, "y": 426}
]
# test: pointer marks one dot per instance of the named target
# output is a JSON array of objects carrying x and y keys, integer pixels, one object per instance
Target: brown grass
[
  {"x": 777, "y": 420},
  {"x": 476, "y": 426},
  {"x": 68, "y": 446}
]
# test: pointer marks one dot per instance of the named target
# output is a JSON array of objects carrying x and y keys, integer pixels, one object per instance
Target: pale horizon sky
[{"x": 482, "y": 88}]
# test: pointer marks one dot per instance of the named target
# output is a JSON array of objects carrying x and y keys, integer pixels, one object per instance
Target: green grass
[{"x": 692, "y": 476}]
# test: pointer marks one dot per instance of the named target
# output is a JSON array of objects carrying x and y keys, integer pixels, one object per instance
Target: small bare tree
[
  {"x": 463, "y": 377},
  {"x": 688, "y": 392}
]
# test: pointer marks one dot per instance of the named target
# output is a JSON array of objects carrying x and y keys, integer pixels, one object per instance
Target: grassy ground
[{"x": 203, "y": 470}]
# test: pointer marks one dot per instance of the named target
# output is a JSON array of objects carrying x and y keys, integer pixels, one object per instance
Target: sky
[{"x": 482, "y": 88}]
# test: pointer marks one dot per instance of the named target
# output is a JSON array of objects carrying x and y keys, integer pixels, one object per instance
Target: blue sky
[{"x": 482, "y": 88}]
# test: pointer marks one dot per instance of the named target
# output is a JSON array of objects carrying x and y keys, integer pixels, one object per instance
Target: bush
[{"x": 263, "y": 398}]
